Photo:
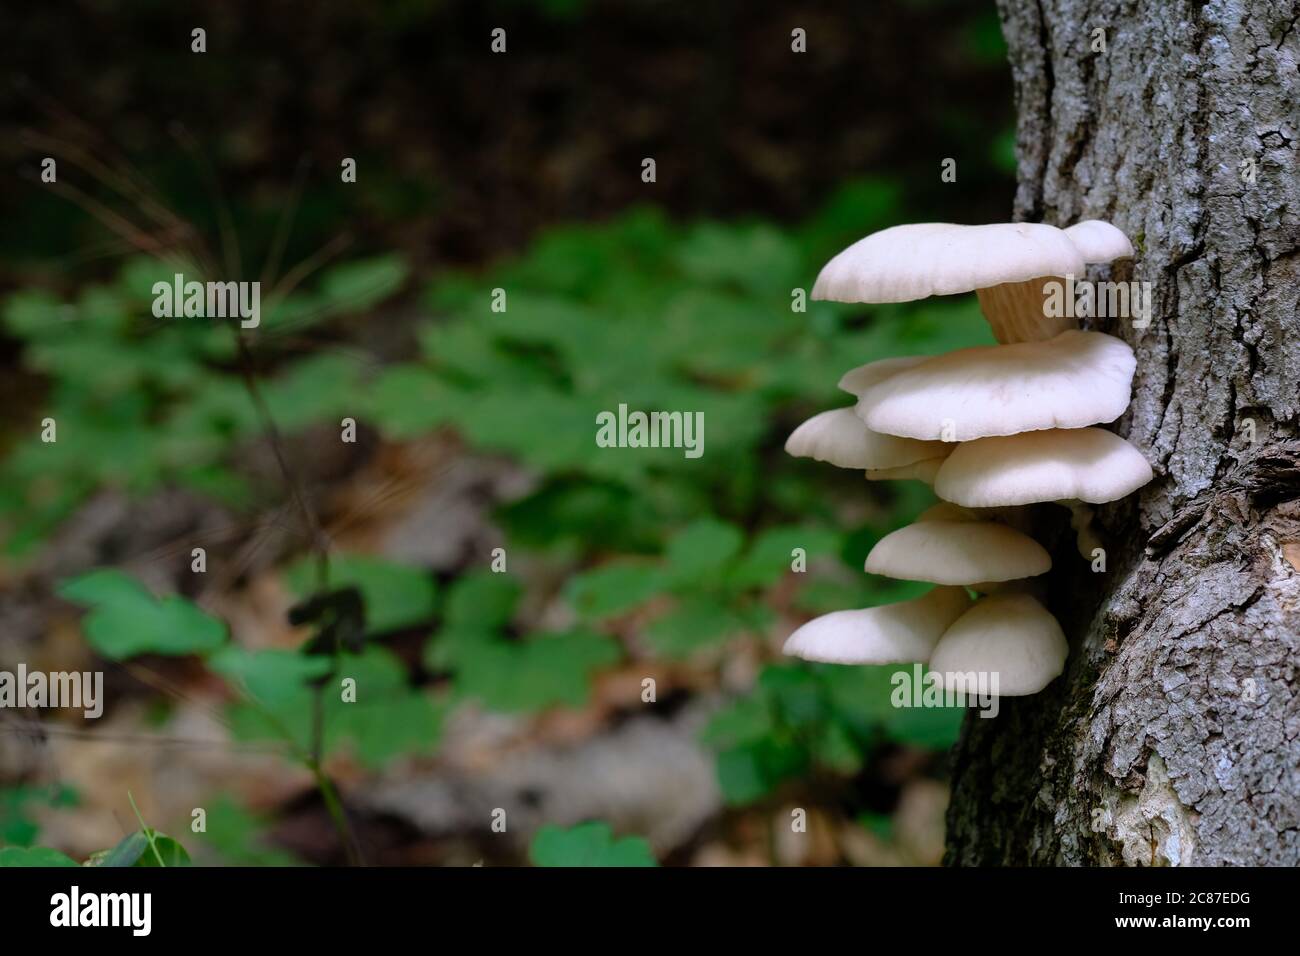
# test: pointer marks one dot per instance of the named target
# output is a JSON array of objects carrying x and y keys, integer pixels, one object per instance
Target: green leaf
[
  {"x": 129, "y": 852},
  {"x": 139, "y": 273},
  {"x": 751, "y": 771},
  {"x": 862, "y": 697},
  {"x": 169, "y": 850},
  {"x": 34, "y": 856},
  {"x": 409, "y": 400},
  {"x": 17, "y": 825},
  {"x": 313, "y": 390},
  {"x": 835, "y": 747},
  {"x": 126, "y": 620},
  {"x": 409, "y": 722},
  {"x": 396, "y": 595},
  {"x": 236, "y": 835},
  {"x": 745, "y": 721},
  {"x": 387, "y": 718},
  {"x": 759, "y": 259},
  {"x": 796, "y": 691},
  {"x": 546, "y": 670},
  {"x": 1002, "y": 151},
  {"x": 542, "y": 427},
  {"x": 741, "y": 774},
  {"x": 613, "y": 588},
  {"x": 702, "y": 551},
  {"x": 358, "y": 285},
  {"x": 697, "y": 621},
  {"x": 800, "y": 716},
  {"x": 482, "y": 600},
  {"x": 269, "y": 676},
  {"x": 135, "y": 850},
  {"x": 878, "y": 825},
  {"x": 36, "y": 314},
  {"x": 770, "y": 556},
  {"x": 588, "y": 844}
]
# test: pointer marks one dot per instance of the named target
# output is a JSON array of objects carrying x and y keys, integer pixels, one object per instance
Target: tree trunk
[{"x": 1173, "y": 737}]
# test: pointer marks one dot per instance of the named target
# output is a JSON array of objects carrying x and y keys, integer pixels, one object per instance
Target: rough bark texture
[{"x": 1174, "y": 735}]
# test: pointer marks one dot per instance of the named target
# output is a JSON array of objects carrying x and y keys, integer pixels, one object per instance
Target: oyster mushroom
[
  {"x": 1087, "y": 464},
  {"x": 948, "y": 545},
  {"x": 889, "y": 634},
  {"x": 1010, "y": 635},
  {"x": 1006, "y": 264},
  {"x": 1070, "y": 381},
  {"x": 992, "y": 427},
  {"x": 840, "y": 438}
]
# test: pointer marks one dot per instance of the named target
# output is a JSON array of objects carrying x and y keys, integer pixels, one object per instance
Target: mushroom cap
[
  {"x": 1099, "y": 241},
  {"x": 964, "y": 551},
  {"x": 1090, "y": 464},
  {"x": 840, "y": 437},
  {"x": 1069, "y": 381},
  {"x": 923, "y": 471},
  {"x": 1010, "y": 635},
  {"x": 914, "y": 261},
  {"x": 857, "y": 380},
  {"x": 889, "y": 634}
]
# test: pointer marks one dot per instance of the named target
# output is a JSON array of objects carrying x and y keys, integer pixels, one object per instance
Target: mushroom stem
[
  {"x": 1016, "y": 313},
  {"x": 1086, "y": 539}
]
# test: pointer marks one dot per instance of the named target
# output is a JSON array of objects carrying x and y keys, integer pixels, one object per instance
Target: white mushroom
[
  {"x": 1010, "y": 635},
  {"x": 918, "y": 260},
  {"x": 959, "y": 549},
  {"x": 857, "y": 380},
  {"x": 1099, "y": 241},
  {"x": 1073, "y": 380},
  {"x": 1016, "y": 310},
  {"x": 991, "y": 428},
  {"x": 923, "y": 471},
  {"x": 1086, "y": 539},
  {"x": 889, "y": 634},
  {"x": 1006, "y": 264},
  {"x": 840, "y": 438},
  {"x": 1090, "y": 464}
]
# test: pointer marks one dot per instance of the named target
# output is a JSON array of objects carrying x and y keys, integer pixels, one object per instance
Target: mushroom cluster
[{"x": 991, "y": 428}]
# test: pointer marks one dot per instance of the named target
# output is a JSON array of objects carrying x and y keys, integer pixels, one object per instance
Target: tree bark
[{"x": 1173, "y": 737}]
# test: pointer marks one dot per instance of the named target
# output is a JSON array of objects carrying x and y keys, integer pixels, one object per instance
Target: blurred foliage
[
  {"x": 143, "y": 848},
  {"x": 140, "y": 402},
  {"x": 18, "y": 823},
  {"x": 588, "y": 844},
  {"x": 395, "y": 595},
  {"x": 234, "y": 836},
  {"x": 34, "y": 856},
  {"x": 506, "y": 675},
  {"x": 637, "y": 311},
  {"x": 388, "y": 716},
  {"x": 126, "y": 619},
  {"x": 823, "y": 718}
]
